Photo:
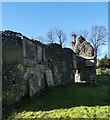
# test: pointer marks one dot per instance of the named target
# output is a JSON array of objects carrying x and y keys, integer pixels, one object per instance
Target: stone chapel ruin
[{"x": 30, "y": 66}]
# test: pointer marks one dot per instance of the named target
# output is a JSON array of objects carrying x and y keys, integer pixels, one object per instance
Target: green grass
[{"x": 65, "y": 102}]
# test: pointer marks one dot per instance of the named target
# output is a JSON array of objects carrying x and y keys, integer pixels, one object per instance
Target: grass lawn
[{"x": 65, "y": 102}]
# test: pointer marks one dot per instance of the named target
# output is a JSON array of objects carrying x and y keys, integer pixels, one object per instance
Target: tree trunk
[{"x": 95, "y": 58}]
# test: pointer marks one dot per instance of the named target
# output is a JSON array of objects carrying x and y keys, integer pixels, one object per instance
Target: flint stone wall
[
  {"x": 30, "y": 66},
  {"x": 12, "y": 58},
  {"x": 60, "y": 61}
]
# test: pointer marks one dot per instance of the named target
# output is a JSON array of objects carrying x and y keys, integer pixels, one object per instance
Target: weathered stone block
[
  {"x": 49, "y": 78},
  {"x": 39, "y": 53},
  {"x": 30, "y": 50}
]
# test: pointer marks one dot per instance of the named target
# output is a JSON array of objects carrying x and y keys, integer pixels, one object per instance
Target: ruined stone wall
[
  {"x": 23, "y": 67},
  {"x": 11, "y": 73},
  {"x": 30, "y": 66},
  {"x": 0, "y": 75},
  {"x": 60, "y": 62},
  {"x": 85, "y": 60},
  {"x": 34, "y": 66},
  {"x": 86, "y": 69}
]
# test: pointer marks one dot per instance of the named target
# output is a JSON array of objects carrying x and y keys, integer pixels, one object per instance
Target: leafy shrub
[
  {"x": 103, "y": 71},
  {"x": 103, "y": 63}
]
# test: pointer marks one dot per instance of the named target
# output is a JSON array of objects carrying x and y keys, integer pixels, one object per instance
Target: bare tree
[
  {"x": 34, "y": 37},
  {"x": 84, "y": 33},
  {"x": 61, "y": 36},
  {"x": 41, "y": 39},
  {"x": 98, "y": 38},
  {"x": 51, "y": 36}
]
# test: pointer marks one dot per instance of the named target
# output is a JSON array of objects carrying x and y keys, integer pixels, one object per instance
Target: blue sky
[{"x": 34, "y": 19}]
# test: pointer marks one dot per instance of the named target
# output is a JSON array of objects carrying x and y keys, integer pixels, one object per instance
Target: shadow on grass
[{"x": 67, "y": 96}]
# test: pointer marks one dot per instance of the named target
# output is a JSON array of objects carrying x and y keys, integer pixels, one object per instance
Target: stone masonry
[
  {"x": 29, "y": 66},
  {"x": 85, "y": 60}
]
